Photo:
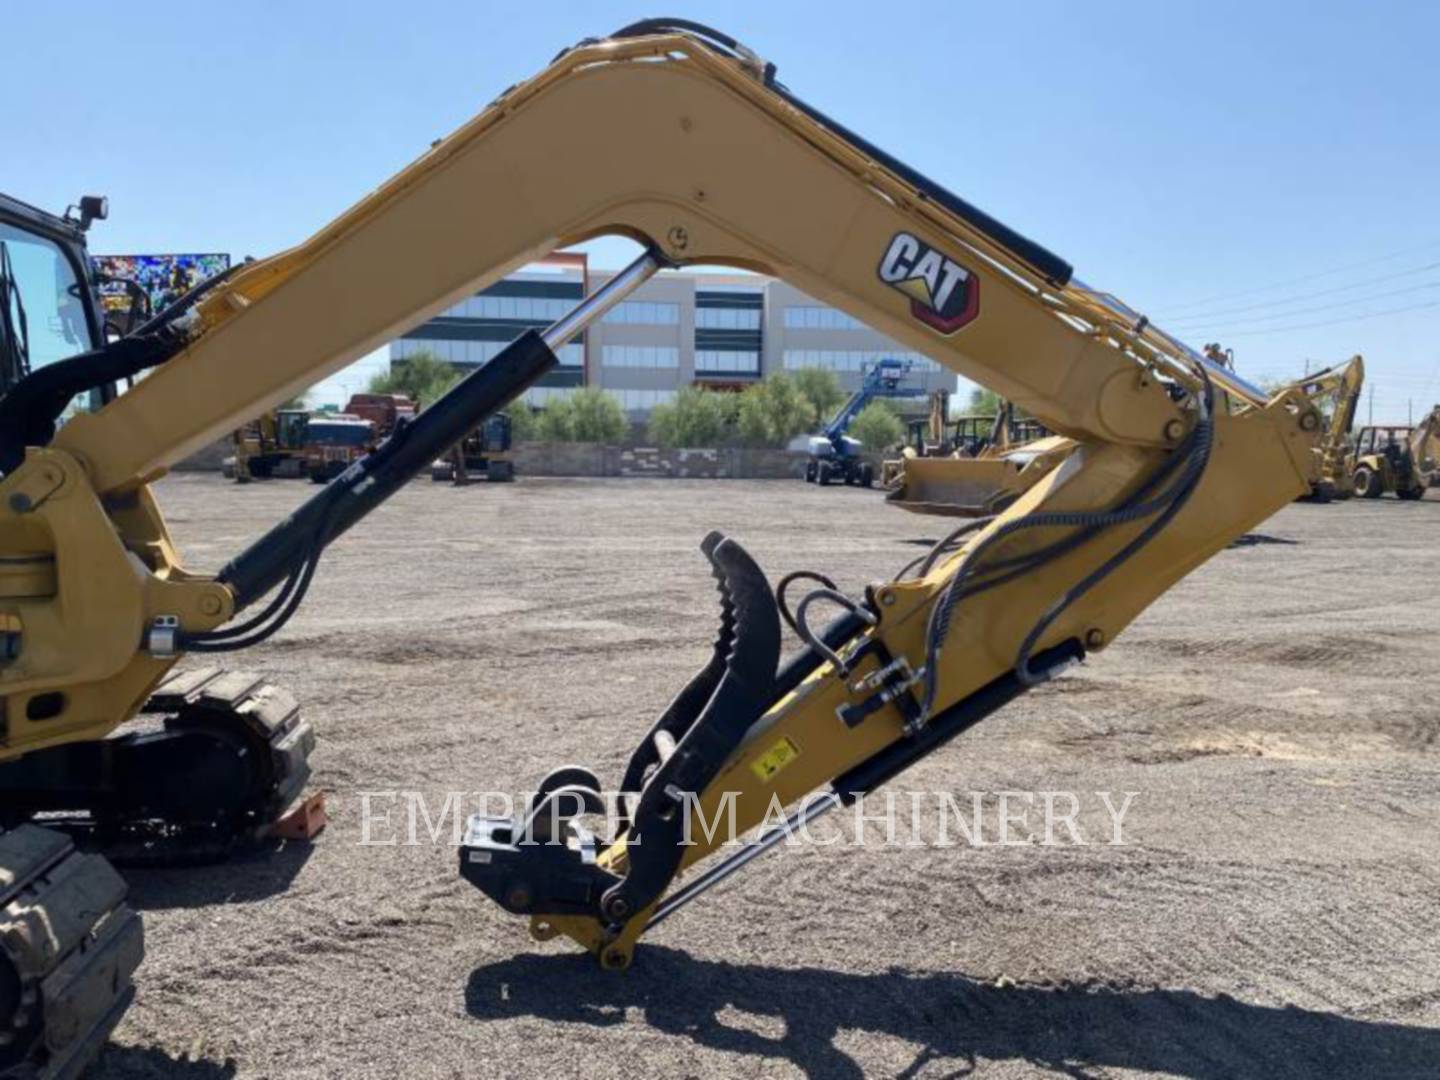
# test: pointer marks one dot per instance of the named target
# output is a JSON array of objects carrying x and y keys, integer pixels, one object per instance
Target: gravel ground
[{"x": 1273, "y": 912}]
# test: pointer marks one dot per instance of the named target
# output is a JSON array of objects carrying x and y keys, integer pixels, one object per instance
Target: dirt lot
[{"x": 1273, "y": 913}]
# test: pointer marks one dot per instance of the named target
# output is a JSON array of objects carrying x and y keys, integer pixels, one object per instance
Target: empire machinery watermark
[{"x": 1008, "y": 818}]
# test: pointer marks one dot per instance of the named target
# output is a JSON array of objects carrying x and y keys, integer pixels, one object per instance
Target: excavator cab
[{"x": 49, "y": 308}]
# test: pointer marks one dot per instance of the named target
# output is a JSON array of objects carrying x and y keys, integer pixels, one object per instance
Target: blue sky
[{"x": 1240, "y": 171}]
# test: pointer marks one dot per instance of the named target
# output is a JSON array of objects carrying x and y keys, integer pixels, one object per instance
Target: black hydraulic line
[
  {"x": 373, "y": 479},
  {"x": 1051, "y": 267},
  {"x": 899, "y": 755},
  {"x": 802, "y": 664},
  {"x": 785, "y": 583}
]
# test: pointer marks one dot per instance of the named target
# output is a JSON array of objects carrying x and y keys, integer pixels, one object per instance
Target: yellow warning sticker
[{"x": 775, "y": 759}]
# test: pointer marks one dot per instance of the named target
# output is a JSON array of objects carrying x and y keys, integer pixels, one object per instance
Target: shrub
[
  {"x": 878, "y": 427},
  {"x": 821, "y": 388},
  {"x": 697, "y": 417},
  {"x": 587, "y": 415},
  {"x": 773, "y": 412}
]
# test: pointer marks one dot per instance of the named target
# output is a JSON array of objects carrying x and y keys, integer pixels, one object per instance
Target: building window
[
  {"x": 640, "y": 356},
  {"x": 542, "y": 310},
  {"x": 853, "y": 359},
  {"x": 540, "y": 396},
  {"x": 644, "y": 313},
  {"x": 641, "y": 400},
  {"x": 718, "y": 360},
  {"x": 726, "y": 318},
  {"x": 473, "y": 354},
  {"x": 819, "y": 317}
]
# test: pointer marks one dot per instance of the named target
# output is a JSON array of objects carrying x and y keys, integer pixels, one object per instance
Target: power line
[
  {"x": 1335, "y": 304},
  {"x": 1301, "y": 280},
  {"x": 1333, "y": 322},
  {"x": 1300, "y": 297}
]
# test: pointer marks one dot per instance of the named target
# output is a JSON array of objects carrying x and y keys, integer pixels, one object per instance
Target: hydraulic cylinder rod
[{"x": 414, "y": 445}]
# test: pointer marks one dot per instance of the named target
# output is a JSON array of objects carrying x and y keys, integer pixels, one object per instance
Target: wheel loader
[
  {"x": 984, "y": 473},
  {"x": 699, "y": 152}
]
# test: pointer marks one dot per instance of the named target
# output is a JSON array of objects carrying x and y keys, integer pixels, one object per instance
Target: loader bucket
[
  {"x": 975, "y": 487},
  {"x": 956, "y": 487}
]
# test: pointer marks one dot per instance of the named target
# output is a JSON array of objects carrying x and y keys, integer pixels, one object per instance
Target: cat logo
[{"x": 943, "y": 294}]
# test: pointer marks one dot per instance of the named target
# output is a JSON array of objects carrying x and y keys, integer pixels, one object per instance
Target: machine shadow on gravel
[
  {"x": 1071, "y": 1029},
  {"x": 265, "y": 870},
  {"x": 151, "y": 1062}
]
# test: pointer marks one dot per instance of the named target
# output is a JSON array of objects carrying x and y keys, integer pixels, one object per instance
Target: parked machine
[
  {"x": 334, "y": 442},
  {"x": 384, "y": 411},
  {"x": 996, "y": 459},
  {"x": 1180, "y": 456},
  {"x": 272, "y": 445},
  {"x": 836, "y": 458},
  {"x": 1401, "y": 461},
  {"x": 484, "y": 451},
  {"x": 1336, "y": 391}
]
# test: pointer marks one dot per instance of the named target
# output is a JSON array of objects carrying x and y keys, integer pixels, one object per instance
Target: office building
[{"x": 723, "y": 331}]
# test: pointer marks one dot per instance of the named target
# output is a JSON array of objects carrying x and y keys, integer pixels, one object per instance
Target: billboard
[{"x": 163, "y": 277}]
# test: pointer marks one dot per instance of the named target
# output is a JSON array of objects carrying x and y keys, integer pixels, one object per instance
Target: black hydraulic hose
[
  {"x": 1190, "y": 459},
  {"x": 1050, "y": 266},
  {"x": 786, "y": 582},
  {"x": 1204, "y": 441}
]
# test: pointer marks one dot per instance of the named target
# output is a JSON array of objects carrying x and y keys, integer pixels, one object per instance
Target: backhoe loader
[
  {"x": 1336, "y": 391},
  {"x": 1402, "y": 461},
  {"x": 697, "y": 151}
]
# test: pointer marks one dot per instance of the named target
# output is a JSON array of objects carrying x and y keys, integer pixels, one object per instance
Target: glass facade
[
  {"x": 640, "y": 356},
  {"x": 673, "y": 331},
  {"x": 643, "y": 313}
]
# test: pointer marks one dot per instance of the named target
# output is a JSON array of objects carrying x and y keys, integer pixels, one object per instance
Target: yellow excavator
[
  {"x": 696, "y": 150},
  {"x": 1336, "y": 391}
]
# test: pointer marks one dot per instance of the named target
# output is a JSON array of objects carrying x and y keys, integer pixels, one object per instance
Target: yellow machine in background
[
  {"x": 1167, "y": 458},
  {"x": 273, "y": 445},
  {"x": 1336, "y": 392},
  {"x": 981, "y": 475},
  {"x": 1402, "y": 461}
]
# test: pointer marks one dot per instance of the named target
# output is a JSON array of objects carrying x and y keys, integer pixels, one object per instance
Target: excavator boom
[{"x": 697, "y": 152}]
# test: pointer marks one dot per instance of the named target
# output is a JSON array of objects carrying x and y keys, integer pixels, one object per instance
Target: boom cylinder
[{"x": 414, "y": 445}]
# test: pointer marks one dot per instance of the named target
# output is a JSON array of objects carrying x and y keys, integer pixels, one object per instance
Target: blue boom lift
[{"x": 836, "y": 457}]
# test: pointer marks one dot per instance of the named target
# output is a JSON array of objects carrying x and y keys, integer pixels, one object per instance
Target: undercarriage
[{"x": 220, "y": 757}]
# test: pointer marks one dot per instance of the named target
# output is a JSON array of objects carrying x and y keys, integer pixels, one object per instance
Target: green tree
[
  {"x": 524, "y": 422},
  {"x": 985, "y": 402},
  {"x": 773, "y": 412},
  {"x": 878, "y": 427},
  {"x": 587, "y": 415},
  {"x": 697, "y": 418},
  {"x": 422, "y": 377},
  {"x": 821, "y": 388}
]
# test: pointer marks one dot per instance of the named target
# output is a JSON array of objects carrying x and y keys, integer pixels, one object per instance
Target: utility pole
[
  {"x": 1371, "y": 422},
  {"x": 1410, "y": 412}
]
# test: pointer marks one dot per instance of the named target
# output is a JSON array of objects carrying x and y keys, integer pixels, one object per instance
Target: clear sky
[{"x": 1264, "y": 173}]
